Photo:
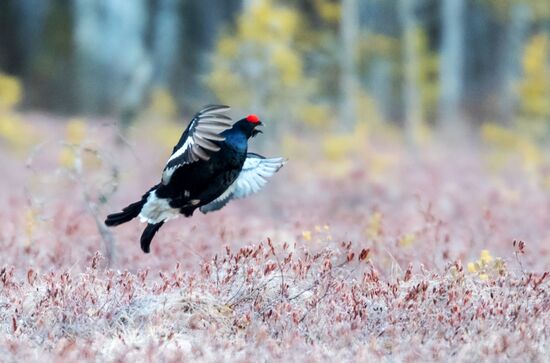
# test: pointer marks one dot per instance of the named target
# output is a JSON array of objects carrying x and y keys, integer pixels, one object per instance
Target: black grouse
[{"x": 209, "y": 166}]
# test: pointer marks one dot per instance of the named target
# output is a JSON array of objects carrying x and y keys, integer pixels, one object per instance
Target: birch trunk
[
  {"x": 452, "y": 63},
  {"x": 411, "y": 89},
  {"x": 349, "y": 30}
]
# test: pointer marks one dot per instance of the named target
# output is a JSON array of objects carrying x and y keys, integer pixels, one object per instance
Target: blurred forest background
[{"x": 325, "y": 65}]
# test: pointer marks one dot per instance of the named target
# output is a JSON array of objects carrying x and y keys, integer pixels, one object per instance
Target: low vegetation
[{"x": 375, "y": 253}]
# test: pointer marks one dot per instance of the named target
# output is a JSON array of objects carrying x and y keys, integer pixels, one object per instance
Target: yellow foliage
[
  {"x": 535, "y": 85},
  {"x": 423, "y": 133},
  {"x": 483, "y": 277},
  {"x": 264, "y": 21},
  {"x": 531, "y": 129},
  {"x": 67, "y": 157},
  {"x": 379, "y": 163},
  {"x": 407, "y": 240},
  {"x": 428, "y": 77},
  {"x": 485, "y": 257},
  {"x": 509, "y": 194},
  {"x": 293, "y": 147},
  {"x": 290, "y": 63},
  {"x": 339, "y": 146},
  {"x": 10, "y": 92},
  {"x": 76, "y": 153},
  {"x": 337, "y": 170},
  {"x": 12, "y": 129},
  {"x": 374, "y": 225},
  {"x": 486, "y": 266},
  {"x": 166, "y": 133},
  {"x": 30, "y": 225},
  {"x": 545, "y": 182},
  {"x": 228, "y": 86},
  {"x": 261, "y": 63},
  {"x": 541, "y": 8},
  {"x": 162, "y": 104},
  {"x": 367, "y": 111},
  {"x": 75, "y": 132},
  {"x": 75, "y": 135},
  {"x": 319, "y": 228},
  {"x": 379, "y": 44},
  {"x": 499, "y": 136},
  {"x": 321, "y": 233},
  {"x": 228, "y": 46},
  {"x": 371, "y": 122},
  {"x": 315, "y": 115},
  {"x": 160, "y": 122},
  {"x": 509, "y": 143},
  {"x": 329, "y": 10}
]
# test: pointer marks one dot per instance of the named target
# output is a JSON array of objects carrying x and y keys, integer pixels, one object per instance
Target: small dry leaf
[
  {"x": 31, "y": 276},
  {"x": 364, "y": 254}
]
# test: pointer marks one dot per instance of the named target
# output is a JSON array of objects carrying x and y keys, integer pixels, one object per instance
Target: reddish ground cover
[{"x": 384, "y": 254}]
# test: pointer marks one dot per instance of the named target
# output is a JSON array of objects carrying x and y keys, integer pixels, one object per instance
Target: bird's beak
[{"x": 256, "y": 131}]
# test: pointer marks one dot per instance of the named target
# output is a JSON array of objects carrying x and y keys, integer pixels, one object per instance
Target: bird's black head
[{"x": 248, "y": 125}]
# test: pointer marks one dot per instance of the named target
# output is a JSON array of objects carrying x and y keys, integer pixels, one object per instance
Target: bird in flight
[{"x": 209, "y": 166}]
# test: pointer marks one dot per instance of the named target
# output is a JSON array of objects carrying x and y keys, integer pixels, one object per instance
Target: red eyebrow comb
[{"x": 253, "y": 118}]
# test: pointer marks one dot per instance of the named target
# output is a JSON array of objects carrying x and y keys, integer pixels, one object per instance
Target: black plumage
[{"x": 205, "y": 171}]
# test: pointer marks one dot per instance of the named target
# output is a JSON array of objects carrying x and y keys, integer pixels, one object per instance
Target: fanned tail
[
  {"x": 148, "y": 234},
  {"x": 127, "y": 214}
]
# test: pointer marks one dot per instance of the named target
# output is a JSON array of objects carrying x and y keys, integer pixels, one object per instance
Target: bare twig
[
  {"x": 283, "y": 288},
  {"x": 78, "y": 175},
  {"x": 519, "y": 249}
]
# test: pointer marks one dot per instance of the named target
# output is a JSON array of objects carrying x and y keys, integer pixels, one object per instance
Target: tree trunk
[
  {"x": 411, "y": 89},
  {"x": 166, "y": 41},
  {"x": 349, "y": 31},
  {"x": 110, "y": 52},
  {"x": 516, "y": 34},
  {"x": 452, "y": 64},
  {"x": 31, "y": 21}
]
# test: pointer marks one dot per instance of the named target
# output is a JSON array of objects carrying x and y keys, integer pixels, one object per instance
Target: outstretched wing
[
  {"x": 198, "y": 141},
  {"x": 251, "y": 179}
]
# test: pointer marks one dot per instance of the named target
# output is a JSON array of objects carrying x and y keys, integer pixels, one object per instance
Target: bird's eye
[{"x": 253, "y": 119}]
